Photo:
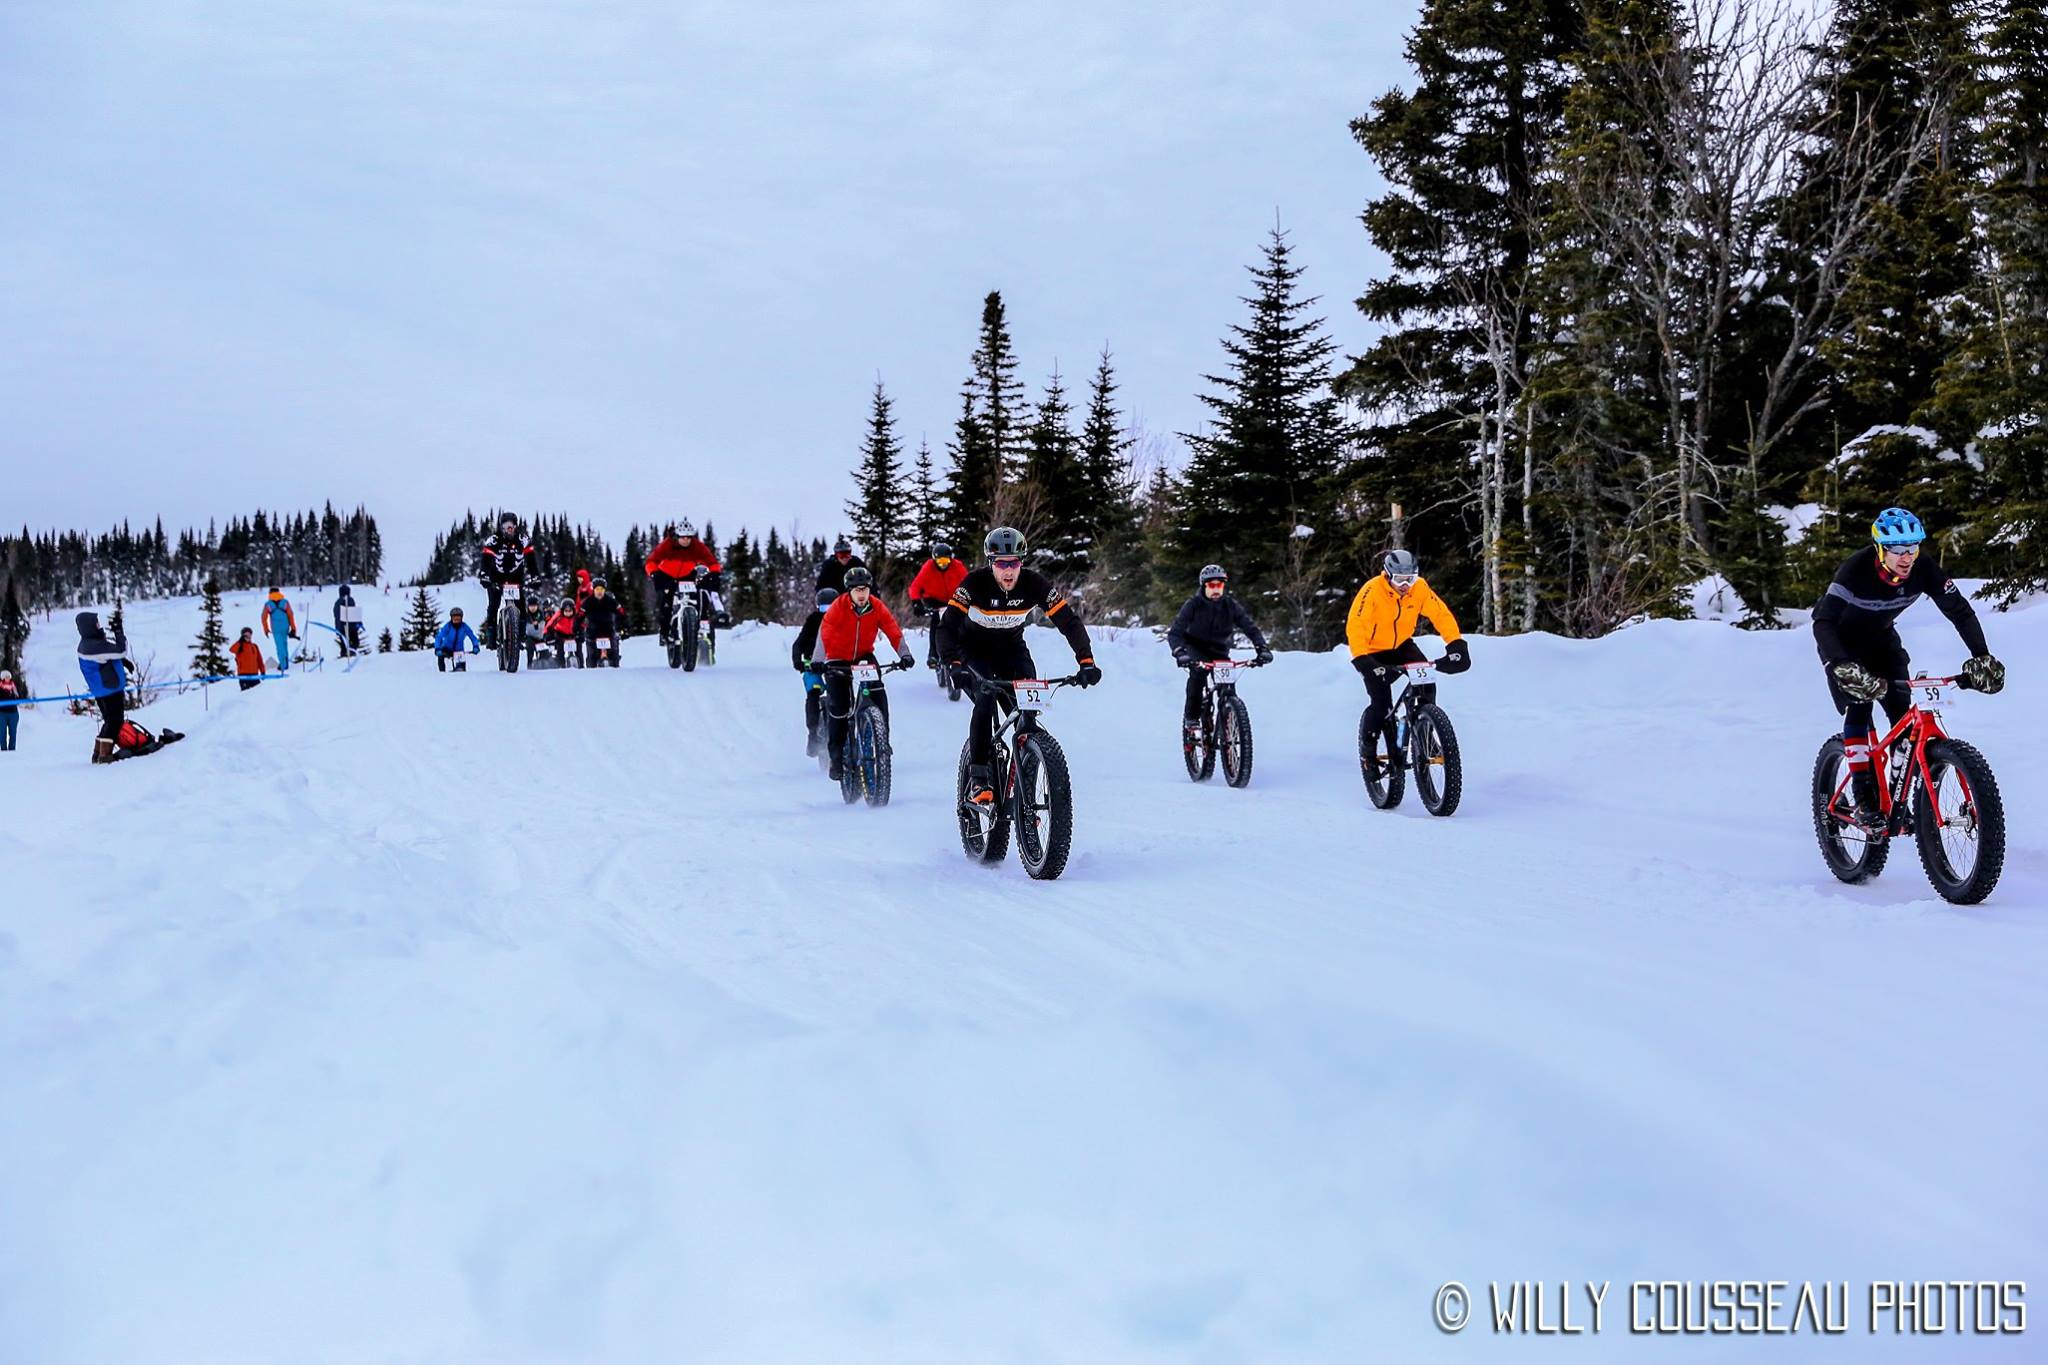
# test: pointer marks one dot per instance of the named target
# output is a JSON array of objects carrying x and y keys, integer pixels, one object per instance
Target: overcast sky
[{"x": 624, "y": 258}]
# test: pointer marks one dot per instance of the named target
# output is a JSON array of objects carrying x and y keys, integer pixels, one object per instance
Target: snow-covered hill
[{"x": 572, "y": 1017}]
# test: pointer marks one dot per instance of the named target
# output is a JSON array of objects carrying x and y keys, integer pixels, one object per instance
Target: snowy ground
[{"x": 571, "y": 1017}]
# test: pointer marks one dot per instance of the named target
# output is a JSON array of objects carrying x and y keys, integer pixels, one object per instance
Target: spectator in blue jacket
[
  {"x": 104, "y": 663},
  {"x": 448, "y": 641}
]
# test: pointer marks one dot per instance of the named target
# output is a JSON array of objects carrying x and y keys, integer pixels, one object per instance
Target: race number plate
[
  {"x": 1226, "y": 670},
  {"x": 867, "y": 672},
  {"x": 604, "y": 647},
  {"x": 1934, "y": 695},
  {"x": 509, "y": 593},
  {"x": 1420, "y": 673},
  {"x": 1033, "y": 695}
]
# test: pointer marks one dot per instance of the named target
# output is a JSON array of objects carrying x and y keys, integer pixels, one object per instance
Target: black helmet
[
  {"x": 1399, "y": 564},
  {"x": 1210, "y": 573},
  {"x": 455, "y": 613},
  {"x": 1003, "y": 542},
  {"x": 825, "y": 596},
  {"x": 597, "y": 583},
  {"x": 941, "y": 550},
  {"x": 857, "y": 577},
  {"x": 509, "y": 520},
  {"x": 842, "y": 546},
  {"x": 568, "y": 604}
]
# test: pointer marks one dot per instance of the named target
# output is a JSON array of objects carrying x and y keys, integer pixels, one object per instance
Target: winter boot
[
  {"x": 838, "y": 768},
  {"x": 981, "y": 790},
  {"x": 1863, "y": 793},
  {"x": 1190, "y": 734},
  {"x": 103, "y": 751}
]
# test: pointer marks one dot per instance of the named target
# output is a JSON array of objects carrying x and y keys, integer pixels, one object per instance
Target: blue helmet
[{"x": 1896, "y": 526}]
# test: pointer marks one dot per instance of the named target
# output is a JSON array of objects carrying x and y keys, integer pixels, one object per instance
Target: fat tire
[
  {"x": 1833, "y": 851},
  {"x": 1430, "y": 719},
  {"x": 687, "y": 641},
  {"x": 508, "y": 641},
  {"x": 1384, "y": 782},
  {"x": 877, "y": 788},
  {"x": 1043, "y": 849},
  {"x": 1200, "y": 760},
  {"x": 990, "y": 848},
  {"x": 1234, "y": 717},
  {"x": 1976, "y": 772}
]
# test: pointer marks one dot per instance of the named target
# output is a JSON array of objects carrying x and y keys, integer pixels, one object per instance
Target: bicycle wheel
[
  {"x": 710, "y": 651},
  {"x": 1439, "y": 775},
  {"x": 1045, "y": 806},
  {"x": 1961, "y": 831},
  {"x": 875, "y": 773},
  {"x": 1851, "y": 852},
  {"x": 686, "y": 638},
  {"x": 1384, "y": 782},
  {"x": 508, "y": 640},
  {"x": 1200, "y": 756},
  {"x": 985, "y": 837},
  {"x": 675, "y": 655},
  {"x": 1234, "y": 739}
]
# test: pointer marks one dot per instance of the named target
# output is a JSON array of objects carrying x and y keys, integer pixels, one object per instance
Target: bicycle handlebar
[{"x": 983, "y": 682}]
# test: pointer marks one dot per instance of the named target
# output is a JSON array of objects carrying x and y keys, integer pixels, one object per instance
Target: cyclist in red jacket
[
  {"x": 933, "y": 588},
  {"x": 847, "y": 635},
  {"x": 673, "y": 560}
]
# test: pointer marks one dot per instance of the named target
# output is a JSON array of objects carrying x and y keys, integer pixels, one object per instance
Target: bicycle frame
[
  {"x": 1920, "y": 726},
  {"x": 1019, "y": 722}
]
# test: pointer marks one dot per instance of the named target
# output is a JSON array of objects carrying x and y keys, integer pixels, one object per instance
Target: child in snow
[
  {"x": 10, "y": 715},
  {"x": 248, "y": 659}
]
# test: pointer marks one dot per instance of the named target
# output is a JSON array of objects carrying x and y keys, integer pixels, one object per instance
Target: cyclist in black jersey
[
  {"x": 1855, "y": 629},
  {"x": 982, "y": 627}
]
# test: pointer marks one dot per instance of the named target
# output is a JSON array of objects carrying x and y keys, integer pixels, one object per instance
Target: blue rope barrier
[{"x": 151, "y": 687}]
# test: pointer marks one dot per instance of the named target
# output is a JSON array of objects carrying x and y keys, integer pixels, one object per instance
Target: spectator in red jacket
[
  {"x": 846, "y": 636},
  {"x": 933, "y": 588},
  {"x": 677, "y": 557}
]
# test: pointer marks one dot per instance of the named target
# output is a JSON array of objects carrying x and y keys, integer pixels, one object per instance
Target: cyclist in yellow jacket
[{"x": 1381, "y": 632}]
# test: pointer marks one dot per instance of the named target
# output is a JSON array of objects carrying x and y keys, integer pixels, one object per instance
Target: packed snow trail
[{"x": 570, "y": 1016}]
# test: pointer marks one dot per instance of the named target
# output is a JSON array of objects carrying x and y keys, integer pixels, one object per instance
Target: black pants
[
  {"x": 839, "y": 703},
  {"x": 248, "y": 683},
  {"x": 1191, "y": 705},
  {"x": 1885, "y": 655},
  {"x": 1005, "y": 662},
  {"x": 113, "y": 710},
  {"x": 814, "y": 708},
  {"x": 590, "y": 659},
  {"x": 661, "y": 601},
  {"x": 1380, "y": 688}
]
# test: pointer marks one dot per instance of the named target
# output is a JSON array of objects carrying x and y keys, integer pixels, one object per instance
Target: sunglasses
[
  {"x": 1008, "y": 562},
  {"x": 1213, "y": 583}
]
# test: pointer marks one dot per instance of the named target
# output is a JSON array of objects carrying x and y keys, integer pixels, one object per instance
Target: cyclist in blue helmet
[{"x": 1855, "y": 628}]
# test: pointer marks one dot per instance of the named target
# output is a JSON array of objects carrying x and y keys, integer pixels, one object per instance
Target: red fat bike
[{"x": 1939, "y": 788}]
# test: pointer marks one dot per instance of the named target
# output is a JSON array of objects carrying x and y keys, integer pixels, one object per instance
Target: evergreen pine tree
[
  {"x": 925, "y": 513},
  {"x": 877, "y": 510},
  {"x": 422, "y": 619},
  {"x": 1993, "y": 387},
  {"x": 384, "y": 641},
  {"x": 1056, "y": 517},
  {"x": 1115, "y": 549},
  {"x": 970, "y": 480},
  {"x": 990, "y": 439},
  {"x": 210, "y": 651},
  {"x": 1267, "y": 463}
]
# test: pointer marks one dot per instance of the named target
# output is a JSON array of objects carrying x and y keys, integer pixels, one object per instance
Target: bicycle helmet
[
  {"x": 1210, "y": 573},
  {"x": 825, "y": 596},
  {"x": 941, "y": 550},
  {"x": 1895, "y": 526},
  {"x": 858, "y": 577},
  {"x": 684, "y": 528},
  {"x": 1400, "y": 564},
  {"x": 455, "y": 613},
  {"x": 842, "y": 546},
  {"x": 568, "y": 604},
  {"x": 597, "y": 583},
  {"x": 1004, "y": 542}
]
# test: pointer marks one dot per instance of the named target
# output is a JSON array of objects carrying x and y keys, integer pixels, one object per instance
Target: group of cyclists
[{"x": 977, "y": 616}]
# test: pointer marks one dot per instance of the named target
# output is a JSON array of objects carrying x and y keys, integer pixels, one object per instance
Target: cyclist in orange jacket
[
  {"x": 1381, "y": 632},
  {"x": 847, "y": 634}
]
